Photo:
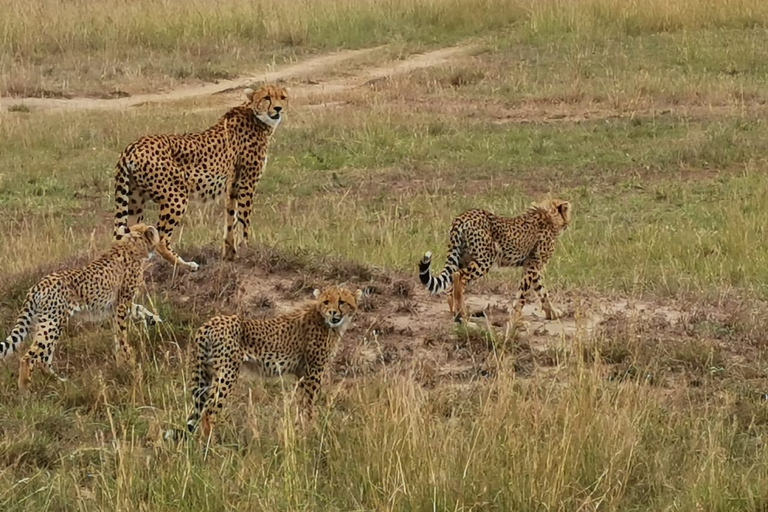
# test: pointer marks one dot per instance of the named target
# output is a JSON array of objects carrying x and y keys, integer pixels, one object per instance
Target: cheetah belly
[
  {"x": 92, "y": 313},
  {"x": 205, "y": 187},
  {"x": 93, "y": 307},
  {"x": 271, "y": 365}
]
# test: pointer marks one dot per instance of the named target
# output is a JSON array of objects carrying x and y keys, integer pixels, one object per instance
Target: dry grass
[
  {"x": 103, "y": 49},
  {"x": 54, "y": 48}
]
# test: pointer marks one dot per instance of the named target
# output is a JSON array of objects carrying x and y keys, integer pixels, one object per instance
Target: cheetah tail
[
  {"x": 20, "y": 332},
  {"x": 122, "y": 193},
  {"x": 443, "y": 281}
]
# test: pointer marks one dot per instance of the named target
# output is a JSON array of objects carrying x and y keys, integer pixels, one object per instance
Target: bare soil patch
[{"x": 400, "y": 327}]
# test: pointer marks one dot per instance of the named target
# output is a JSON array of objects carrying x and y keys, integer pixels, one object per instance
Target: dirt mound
[{"x": 401, "y": 327}]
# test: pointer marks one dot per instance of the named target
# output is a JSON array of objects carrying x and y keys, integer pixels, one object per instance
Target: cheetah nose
[{"x": 278, "y": 109}]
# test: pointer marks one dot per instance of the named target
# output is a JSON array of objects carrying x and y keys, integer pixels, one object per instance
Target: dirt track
[{"x": 309, "y": 70}]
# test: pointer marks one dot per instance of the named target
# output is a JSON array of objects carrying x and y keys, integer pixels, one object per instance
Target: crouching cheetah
[
  {"x": 301, "y": 342},
  {"x": 105, "y": 287},
  {"x": 480, "y": 239},
  {"x": 172, "y": 169}
]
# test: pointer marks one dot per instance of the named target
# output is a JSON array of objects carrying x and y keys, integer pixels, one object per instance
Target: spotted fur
[
  {"x": 170, "y": 170},
  {"x": 301, "y": 342},
  {"x": 480, "y": 239},
  {"x": 104, "y": 288}
]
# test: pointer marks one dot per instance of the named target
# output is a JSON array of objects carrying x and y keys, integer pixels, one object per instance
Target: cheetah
[
  {"x": 480, "y": 239},
  {"x": 105, "y": 287},
  {"x": 170, "y": 170},
  {"x": 301, "y": 342}
]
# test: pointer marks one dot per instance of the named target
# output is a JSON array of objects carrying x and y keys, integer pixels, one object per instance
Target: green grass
[
  {"x": 325, "y": 190},
  {"x": 668, "y": 184}
]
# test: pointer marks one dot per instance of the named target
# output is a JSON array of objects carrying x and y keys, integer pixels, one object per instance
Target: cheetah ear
[
  {"x": 359, "y": 294},
  {"x": 316, "y": 293},
  {"x": 249, "y": 93},
  {"x": 152, "y": 236}
]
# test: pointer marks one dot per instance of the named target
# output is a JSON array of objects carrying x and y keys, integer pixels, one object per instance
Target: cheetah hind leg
[
  {"x": 25, "y": 374},
  {"x": 456, "y": 298}
]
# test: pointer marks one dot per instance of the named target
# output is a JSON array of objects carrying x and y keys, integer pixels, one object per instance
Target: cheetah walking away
[
  {"x": 228, "y": 157},
  {"x": 480, "y": 239},
  {"x": 106, "y": 287}
]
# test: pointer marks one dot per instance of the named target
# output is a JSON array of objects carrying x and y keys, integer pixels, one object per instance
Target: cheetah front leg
[
  {"x": 532, "y": 279},
  {"x": 171, "y": 212},
  {"x": 139, "y": 312},
  {"x": 550, "y": 311},
  {"x": 245, "y": 204},
  {"x": 309, "y": 386},
  {"x": 309, "y": 383}
]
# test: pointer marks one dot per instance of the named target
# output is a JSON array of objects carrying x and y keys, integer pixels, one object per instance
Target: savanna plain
[{"x": 648, "y": 115}]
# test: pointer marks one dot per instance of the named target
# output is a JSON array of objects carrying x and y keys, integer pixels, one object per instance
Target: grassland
[{"x": 648, "y": 115}]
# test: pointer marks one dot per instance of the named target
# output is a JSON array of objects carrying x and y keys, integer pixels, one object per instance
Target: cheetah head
[
  {"x": 143, "y": 236},
  {"x": 337, "y": 305},
  {"x": 560, "y": 211},
  {"x": 268, "y": 103}
]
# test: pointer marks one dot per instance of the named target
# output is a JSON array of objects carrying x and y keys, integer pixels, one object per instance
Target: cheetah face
[
  {"x": 268, "y": 104},
  {"x": 337, "y": 305},
  {"x": 143, "y": 235},
  {"x": 561, "y": 213}
]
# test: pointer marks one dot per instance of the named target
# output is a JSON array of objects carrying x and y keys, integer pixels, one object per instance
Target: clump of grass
[{"x": 18, "y": 107}]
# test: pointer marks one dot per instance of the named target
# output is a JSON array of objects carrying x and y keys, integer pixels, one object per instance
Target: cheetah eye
[
  {"x": 282, "y": 98},
  {"x": 267, "y": 98},
  {"x": 341, "y": 303},
  {"x": 326, "y": 302}
]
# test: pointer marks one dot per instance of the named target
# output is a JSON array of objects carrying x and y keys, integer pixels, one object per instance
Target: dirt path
[
  {"x": 312, "y": 68},
  {"x": 373, "y": 75}
]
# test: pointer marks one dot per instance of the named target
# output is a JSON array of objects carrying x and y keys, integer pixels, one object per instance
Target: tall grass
[
  {"x": 384, "y": 444},
  {"x": 634, "y": 17},
  {"x": 40, "y": 26}
]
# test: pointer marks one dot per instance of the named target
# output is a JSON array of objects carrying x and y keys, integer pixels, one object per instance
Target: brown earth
[{"x": 400, "y": 326}]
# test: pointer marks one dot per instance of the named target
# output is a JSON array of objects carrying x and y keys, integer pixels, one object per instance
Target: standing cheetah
[
  {"x": 105, "y": 287},
  {"x": 172, "y": 169},
  {"x": 301, "y": 342},
  {"x": 480, "y": 239}
]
